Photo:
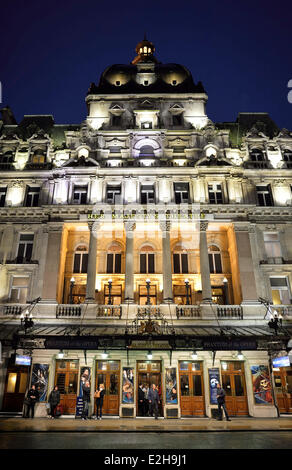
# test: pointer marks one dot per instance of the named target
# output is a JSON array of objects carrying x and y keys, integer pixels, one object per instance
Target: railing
[
  {"x": 284, "y": 310},
  {"x": 230, "y": 311},
  {"x": 188, "y": 311},
  {"x": 68, "y": 311},
  {"x": 13, "y": 309},
  {"x": 143, "y": 310},
  {"x": 108, "y": 311}
]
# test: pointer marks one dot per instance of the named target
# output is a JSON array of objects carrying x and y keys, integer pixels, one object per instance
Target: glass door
[
  {"x": 67, "y": 380},
  {"x": 191, "y": 388},
  {"x": 15, "y": 388},
  {"x": 108, "y": 373},
  {"x": 283, "y": 387},
  {"x": 149, "y": 372},
  {"x": 233, "y": 382}
]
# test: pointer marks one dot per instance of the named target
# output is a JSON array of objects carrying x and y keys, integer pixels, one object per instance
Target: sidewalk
[{"x": 8, "y": 425}]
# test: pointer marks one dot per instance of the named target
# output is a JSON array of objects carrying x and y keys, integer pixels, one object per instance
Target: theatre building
[{"x": 147, "y": 244}]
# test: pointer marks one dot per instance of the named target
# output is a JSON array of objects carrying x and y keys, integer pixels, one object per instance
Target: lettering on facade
[{"x": 229, "y": 345}]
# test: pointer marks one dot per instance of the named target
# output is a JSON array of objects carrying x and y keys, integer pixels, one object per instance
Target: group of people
[
  {"x": 98, "y": 395},
  {"x": 148, "y": 400}
]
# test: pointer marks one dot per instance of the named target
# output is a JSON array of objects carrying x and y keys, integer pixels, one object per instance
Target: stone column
[
  {"x": 52, "y": 263},
  {"x": 166, "y": 262},
  {"x": 204, "y": 265},
  {"x": 129, "y": 271},
  {"x": 91, "y": 267}
]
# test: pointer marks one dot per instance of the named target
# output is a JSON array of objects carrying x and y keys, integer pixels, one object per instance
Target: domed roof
[{"x": 146, "y": 75}]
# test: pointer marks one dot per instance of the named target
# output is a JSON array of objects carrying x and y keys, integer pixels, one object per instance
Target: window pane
[
  {"x": 278, "y": 281},
  {"x": 197, "y": 385},
  {"x": 211, "y": 264},
  {"x": 184, "y": 365},
  {"x": 239, "y": 391},
  {"x": 176, "y": 266},
  {"x": 28, "y": 253},
  {"x": 76, "y": 268},
  {"x": 23, "y": 381},
  {"x": 143, "y": 263},
  {"x": 226, "y": 384},
  {"x": 218, "y": 264},
  {"x": 61, "y": 382},
  {"x": 113, "y": 384},
  {"x": 184, "y": 385},
  {"x": 110, "y": 263},
  {"x": 12, "y": 377},
  {"x": 72, "y": 388},
  {"x": 118, "y": 263},
  {"x": 84, "y": 263},
  {"x": 151, "y": 263},
  {"x": 184, "y": 259}
]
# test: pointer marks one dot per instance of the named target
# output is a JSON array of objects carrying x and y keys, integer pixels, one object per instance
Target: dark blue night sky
[{"x": 51, "y": 51}]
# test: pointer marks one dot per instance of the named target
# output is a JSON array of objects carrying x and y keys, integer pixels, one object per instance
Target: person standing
[
  {"x": 54, "y": 400},
  {"x": 141, "y": 400},
  {"x": 86, "y": 399},
  {"x": 221, "y": 403},
  {"x": 32, "y": 398},
  {"x": 99, "y": 394},
  {"x": 153, "y": 398}
]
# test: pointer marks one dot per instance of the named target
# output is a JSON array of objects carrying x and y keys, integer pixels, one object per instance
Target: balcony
[
  {"x": 188, "y": 311},
  {"x": 230, "y": 312},
  {"x": 68, "y": 311},
  {"x": 13, "y": 309},
  {"x": 105, "y": 311}
]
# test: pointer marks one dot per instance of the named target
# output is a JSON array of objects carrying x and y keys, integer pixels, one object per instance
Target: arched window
[
  {"x": 114, "y": 259},
  {"x": 147, "y": 260},
  {"x": 180, "y": 260},
  {"x": 257, "y": 155},
  {"x": 80, "y": 259},
  {"x": 215, "y": 259}
]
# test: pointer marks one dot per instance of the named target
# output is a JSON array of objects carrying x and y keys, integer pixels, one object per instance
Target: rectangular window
[
  {"x": 280, "y": 290},
  {"x": 147, "y": 263},
  {"x": 32, "y": 196},
  {"x": 80, "y": 194},
  {"x": 215, "y": 193},
  {"x": 273, "y": 247},
  {"x": 19, "y": 290},
  {"x": 25, "y": 246},
  {"x": 264, "y": 195},
  {"x": 146, "y": 125},
  {"x": 180, "y": 263},
  {"x": 2, "y": 196},
  {"x": 181, "y": 193},
  {"x": 113, "y": 264},
  {"x": 113, "y": 194},
  {"x": 147, "y": 194}
]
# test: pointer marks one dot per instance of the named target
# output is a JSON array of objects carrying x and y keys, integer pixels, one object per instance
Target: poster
[
  {"x": 39, "y": 378},
  {"x": 214, "y": 379},
  {"x": 128, "y": 385},
  {"x": 85, "y": 375},
  {"x": 171, "y": 386},
  {"x": 261, "y": 384}
]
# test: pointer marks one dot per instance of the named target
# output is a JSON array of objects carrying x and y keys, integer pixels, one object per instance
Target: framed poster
[
  {"x": 85, "y": 376},
  {"x": 171, "y": 386},
  {"x": 262, "y": 385},
  {"x": 128, "y": 385},
  {"x": 214, "y": 379},
  {"x": 40, "y": 378}
]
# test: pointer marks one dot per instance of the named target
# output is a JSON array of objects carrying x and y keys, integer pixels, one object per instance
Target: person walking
[
  {"x": 221, "y": 403},
  {"x": 99, "y": 394},
  {"x": 54, "y": 400},
  {"x": 153, "y": 398},
  {"x": 86, "y": 399},
  {"x": 32, "y": 397}
]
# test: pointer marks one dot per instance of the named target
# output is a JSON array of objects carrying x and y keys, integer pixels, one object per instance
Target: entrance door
[
  {"x": 67, "y": 380},
  {"x": 283, "y": 385},
  {"x": 108, "y": 373},
  {"x": 191, "y": 388},
  {"x": 149, "y": 372},
  {"x": 15, "y": 388},
  {"x": 233, "y": 382}
]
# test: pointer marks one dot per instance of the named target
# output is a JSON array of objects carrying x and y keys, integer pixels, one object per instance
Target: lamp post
[
  {"x": 26, "y": 320},
  {"x": 148, "y": 291},
  {"x": 110, "y": 283},
  {"x": 187, "y": 283},
  {"x": 72, "y": 283},
  {"x": 225, "y": 287}
]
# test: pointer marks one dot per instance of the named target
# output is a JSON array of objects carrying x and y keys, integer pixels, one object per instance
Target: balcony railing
[
  {"x": 68, "y": 311},
  {"x": 230, "y": 311},
  {"x": 284, "y": 310},
  {"x": 188, "y": 311},
  {"x": 144, "y": 310},
  {"x": 104, "y": 311},
  {"x": 13, "y": 309}
]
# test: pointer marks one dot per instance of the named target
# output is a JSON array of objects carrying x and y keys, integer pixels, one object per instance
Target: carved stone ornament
[
  {"x": 203, "y": 226},
  {"x": 130, "y": 227}
]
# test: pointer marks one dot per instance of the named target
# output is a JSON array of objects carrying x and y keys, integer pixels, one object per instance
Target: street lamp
[
  {"x": 148, "y": 291},
  {"x": 187, "y": 283},
  {"x": 104, "y": 355},
  {"x": 149, "y": 355},
  {"x": 225, "y": 287},
  {"x": 72, "y": 283},
  {"x": 194, "y": 355},
  {"x": 26, "y": 320},
  {"x": 240, "y": 355},
  {"x": 110, "y": 282}
]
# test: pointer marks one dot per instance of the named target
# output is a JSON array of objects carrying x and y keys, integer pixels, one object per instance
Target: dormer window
[
  {"x": 118, "y": 82},
  {"x": 174, "y": 82},
  {"x": 146, "y": 125},
  {"x": 146, "y": 82}
]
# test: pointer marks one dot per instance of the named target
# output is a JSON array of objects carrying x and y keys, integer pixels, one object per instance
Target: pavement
[{"x": 121, "y": 425}]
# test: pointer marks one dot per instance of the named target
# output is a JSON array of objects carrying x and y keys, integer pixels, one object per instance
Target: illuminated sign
[
  {"x": 22, "y": 360},
  {"x": 282, "y": 361}
]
